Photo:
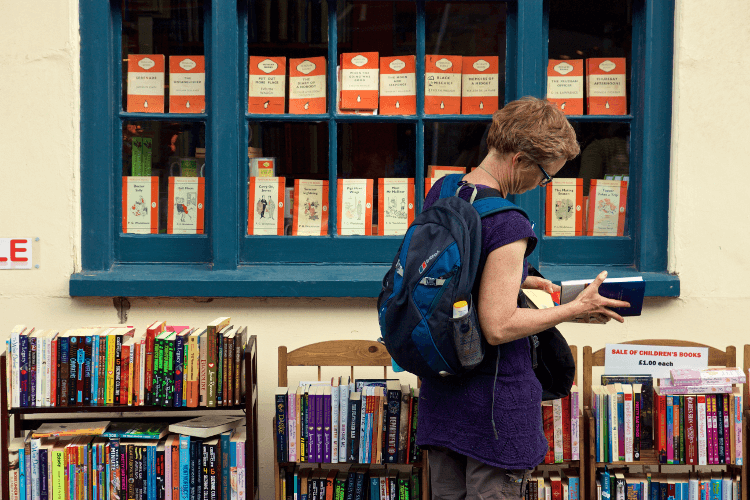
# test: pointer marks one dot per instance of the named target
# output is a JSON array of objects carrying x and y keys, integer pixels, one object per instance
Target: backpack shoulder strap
[
  {"x": 450, "y": 184},
  {"x": 490, "y": 201}
]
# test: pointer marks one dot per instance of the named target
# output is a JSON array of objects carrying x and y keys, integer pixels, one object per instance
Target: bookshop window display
[{"x": 348, "y": 112}]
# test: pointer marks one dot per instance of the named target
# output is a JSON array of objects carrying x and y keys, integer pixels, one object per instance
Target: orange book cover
[
  {"x": 145, "y": 83},
  {"x": 607, "y": 202},
  {"x": 187, "y": 84},
  {"x": 265, "y": 197},
  {"x": 565, "y": 85},
  {"x": 479, "y": 85},
  {"x": 140, "y": 205},
  {"x": 267, "y": 85},
  {"x": 398, "y": 85},
  {"x": 338, "y": 100},
  {"x": 359, "y": 80},
  {"x": 606, "y": 93},
  {"x": 564, "y": 208},
  {"x": 186, "y": 205},
  {"x": 395, "y": 205},
  {"x": 354, "y": 202},
  {"x": 307, "y": 85},
  {"x": 435, "y": 172},
  {"x": 442, "y": 85},
  {"x": 310, "y": 212}
]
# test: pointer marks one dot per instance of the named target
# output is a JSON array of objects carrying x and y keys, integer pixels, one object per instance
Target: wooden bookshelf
[
  {"x": 22, "y": 420},
  {"x": 716, "y": 357}
]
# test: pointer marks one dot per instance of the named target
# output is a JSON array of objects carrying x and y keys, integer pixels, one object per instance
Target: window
[{"x": 223, "y": 259}]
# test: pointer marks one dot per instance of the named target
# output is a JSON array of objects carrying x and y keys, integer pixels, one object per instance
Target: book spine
[
  {"x": 213, "y": 466},
  {"x": 224, "y": 467},
  {"x": 54, "y": 372},
  {"x": 662, "y": 400},
  {"x": 80, "y": 379},
  {"x": 403, "y": 427},
  {"x": 88, "y": 360},
  {"x": 394, "y": 418},
  {"x": 628, "y": 431},
  {"x": 202, "y": 370},
  {"x": 124, "y": 370},
  {"x": 710, "y": 429},
  {"x": 203, "y": 484},
  {"x": 702, "y": 430},
  {"x": 670, "y": 430},
  {"x": 738, "y": 435},
  {"x": 192, "y": 380},
  {"x": 149, "y": 368},
  {"x": 211, "y": 366},
  {"x": 43, "y": 474},
  {"x": 32, "y": 371},
  {"x": 637, "y": 416},
  {"x": 319, "y": 444},
  {"x": 621, "y": 426},
  {"x": 118, "y": 369},
  {"x": 176, "y": 469},
  {"x": 310, "y": 421},
  {"x": 725, "y": 422},
  {"x": 23, "y": 360},
  {"x": 238, "y": 372},
  {"x": 184, "y": 467},
  {"x": 157, "y": 383},
  {"x": 548, "y": 428},
  {"x": 691, "y": 457},
  {"x": 326, "y": 424},
  {"x": 415, "y": 453},
  {"x": 167, "y": 374},
  {"x": 195, "y": 451},
  {"x": 178, "y": 370},
  {"x": 557, "y": 430},
  {"x": 567, "y": 428},
  {"x": 94, "y": 372},
  {"x": 220, "y": 369},
  {"x": 110, "y": 385},
  {"x": 353, "y": 438},
  {"x": 681, "y": 426},
  {"x": 335, "y": 424},
  {"x": 291, "y": 423},
  {"x": 281, "y": 444}
]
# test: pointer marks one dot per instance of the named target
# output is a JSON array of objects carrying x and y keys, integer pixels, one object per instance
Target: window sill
[{"x": 293, "y": 280}]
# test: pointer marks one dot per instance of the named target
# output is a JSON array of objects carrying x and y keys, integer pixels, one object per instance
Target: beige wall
[{"x": 39, "y": 140}]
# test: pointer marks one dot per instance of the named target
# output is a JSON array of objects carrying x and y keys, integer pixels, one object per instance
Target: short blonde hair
[{"x": 536, "y": 129}]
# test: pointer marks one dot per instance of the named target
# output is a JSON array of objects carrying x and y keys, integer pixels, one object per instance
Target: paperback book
[
  {"x": 145, "y": 83},
  {"x": 187, "y": 84},
  {"x": 398, "y": 85},
  {"x": 395, "y": 205},
  {"x": 186, "y": 205},
  {"x": 606, "y": 213},
  {"x": 307, "y": 85},
  {"x": 606, "y": 93},
  {"x": 266, "y": 205},
  {"x": 479, "y": 85},
  {"x": 564, "y": 207},
  {"x": 140, "y": 205},
  {"x": 355, "y": 206},
  {"x": 442, "y": 88},
  {"x": 310, "y": 208},
  {"x": 359, "y": 80},
  {"x": 267, "y": 85},
  {"x": 565, "y": 85}
]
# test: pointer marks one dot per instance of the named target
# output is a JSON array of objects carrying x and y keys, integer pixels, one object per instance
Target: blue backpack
[{"x": 436, "y": 266}]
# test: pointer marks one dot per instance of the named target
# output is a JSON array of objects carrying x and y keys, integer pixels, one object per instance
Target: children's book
[
  {"x": 265, "y": 205},
  {"x": 145, "y": 83},
  {"x": 606, "y": 213},
  {"x": 565, "y": 85},
  {"x": 267, "y": 85},
  {"x": 564, "y": 207},
  {"x": 187, "y": 84},
  {"x": 398, "y": 85},
  {"x": 310, "y": 208},
  {"x": 186, "y": 205},
  {"x": 395, "y": 205},
  {"x": 355, "y": 206},
  {"x": 479, "y": 85},
  {"x": 140, "y": 205}
]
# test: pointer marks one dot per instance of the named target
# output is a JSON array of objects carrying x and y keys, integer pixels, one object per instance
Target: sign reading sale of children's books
[{"x": 654, "y": 360}]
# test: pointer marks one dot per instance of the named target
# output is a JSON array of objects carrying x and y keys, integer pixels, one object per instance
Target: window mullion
[
  {"x": 333, "y": 138},
  {"x": 222, "y": 133},
  {"x": 419, "y": 156}
]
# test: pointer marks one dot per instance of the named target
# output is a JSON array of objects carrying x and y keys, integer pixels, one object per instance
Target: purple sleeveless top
[{"x": 456, "y": 413}]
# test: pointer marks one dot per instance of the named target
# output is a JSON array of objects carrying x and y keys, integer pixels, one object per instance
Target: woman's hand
[
  {"x": 596, "y": 309},
  {"x": 537, "y": 283}
]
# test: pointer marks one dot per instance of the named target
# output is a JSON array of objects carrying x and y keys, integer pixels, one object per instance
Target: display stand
[
  {"x": 351, "y": 353},
  {"x": 716, "y": 357},
  {"x": 23, "y": 417}
]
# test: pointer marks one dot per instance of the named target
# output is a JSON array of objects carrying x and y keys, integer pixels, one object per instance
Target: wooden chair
[
  {"x": 351, "y": 353},
  {"x": 716, "y": 357}
]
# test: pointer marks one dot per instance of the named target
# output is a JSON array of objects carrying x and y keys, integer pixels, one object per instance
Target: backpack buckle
[{"x": 534, "y": 344}]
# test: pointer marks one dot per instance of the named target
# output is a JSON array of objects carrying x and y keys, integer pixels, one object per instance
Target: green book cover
[
  {"x": 168, "y": 371},
  {"x": 146, "y": 156},
  {"x": 136, "y": 167}
]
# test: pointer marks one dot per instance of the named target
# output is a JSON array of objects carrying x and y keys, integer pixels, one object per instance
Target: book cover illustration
[
  {"x": 605, "y": 92},
  {"x": 564, "y": 207},
  {"x": 479, "y": 85},
  {"x": 442, "y": 85},
  {"x": 565, "y": 85},
  {"x": 186, "y": 205},
  {"x": 266, "y": 205},
  {"x": 267, "y": 85},
  {"x": 355, "y": 206},
  {"x": 395, "y": 205},
  {"x": 145, "y": 83},
  {"x": 310, "y": 213},
  {"x": 140, "y": 205},
  {"x": 398, "y": 85},
  {"x": 307, "y": 85},
  {"x": 187, "y": 84},
  {"x": 607, "y": 200},
  {"x": 359, "y": 80}
]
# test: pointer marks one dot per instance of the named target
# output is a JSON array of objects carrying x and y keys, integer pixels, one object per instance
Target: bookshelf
[
  {"x": 340, "y": 353},
  {"x": 591, "y": 359},
  {"x": 24, "y": 418}
]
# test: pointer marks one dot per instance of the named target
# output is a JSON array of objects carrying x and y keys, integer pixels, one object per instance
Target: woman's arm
[{"x": 503, "y": 321}]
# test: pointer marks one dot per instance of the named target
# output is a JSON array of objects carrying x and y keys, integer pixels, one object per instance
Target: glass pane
[
  {"x": 586, "y": 34},
  {"x": 597, "y": 180},
  {"x": 154, "y": 155},
  {"x": 286, "y": 151},
  {"x": 388, "y": 28},
  {"x": 387, "y": 164},
  {"x": 476, "y": 31},
  {"x": 455, "y": 144},
  {"x": 169, "y": 74}
]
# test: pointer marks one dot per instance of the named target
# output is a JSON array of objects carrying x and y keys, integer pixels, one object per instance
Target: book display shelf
[
  {"x": 30, "y": 418},
  {"x": 341, "y": 353},
  {"x": 649, "y": 457}
]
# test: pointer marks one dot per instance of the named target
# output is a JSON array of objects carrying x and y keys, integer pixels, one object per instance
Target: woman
[{"x": 483, "y": 447}]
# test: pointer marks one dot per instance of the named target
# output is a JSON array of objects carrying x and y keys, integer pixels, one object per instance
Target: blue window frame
[{"x": 227, "y": 262}]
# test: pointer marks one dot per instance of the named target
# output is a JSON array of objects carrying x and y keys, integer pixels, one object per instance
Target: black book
[
  {"x": 131, "y": 469},
  {"x": 281, "y": 416},
  {"x": 138, "y": 479},
  {"x": 339, "y": 485},
  {"x": 355, "y": 406},
  {"x": 415, "y": 454},
  {"x": 350, "y": 483},
  {"x": 203, "y": 487},
  {"x": 214, "y": 469},
  {"x": 361, "y": 483},
  {"x": 720, "y": 425},
  {"x": 637, "y": 415},
  {"x": 43, "y": 473},
  {"x": 72, "y": 369}
]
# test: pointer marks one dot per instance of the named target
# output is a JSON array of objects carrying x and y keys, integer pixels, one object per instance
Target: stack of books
[
  {"x": 561, "y": 422},
  {"x": 358, "y": 482},
  {"x": 174, "y": 366},
  {"x": 616, "y": 484},
  {"x": 564, "y": 484},
  {"x": 131, "y": 461},
  {"x": 367, "y": 421}
]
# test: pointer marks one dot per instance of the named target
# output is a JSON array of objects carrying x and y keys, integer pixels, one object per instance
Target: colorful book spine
[
  {"x": 557, "y": 430},
  {"x": 691, "y": 456},
  {"x": 326, "y": 424},
  {"x": 738, "y": 433},
  {"x": 628, "y": 420},
  {"x": 702, "y": 430},
  {"x": 726, "y": 428},
  {"x": 335, "y": 424},
  {"x": 281, "y": 435}
]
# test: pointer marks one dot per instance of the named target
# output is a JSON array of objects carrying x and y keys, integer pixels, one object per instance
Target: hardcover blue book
[
  {"x": 374, "y": 486},
  {"x": 184, "y": 467},
  {"x": 655, "y": 489},
  {"x": 630, "y": 290},
  {"x": 715, "y": 488},
  {"x": 574, "y": 488},
  {"x": 151, "y": 470},
  {"x": 604, "y": 480}
]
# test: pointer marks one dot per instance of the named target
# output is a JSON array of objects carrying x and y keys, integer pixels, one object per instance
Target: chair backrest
[
  {"x": 716, "y": 357},
  {"x": 334, "y": 353}
]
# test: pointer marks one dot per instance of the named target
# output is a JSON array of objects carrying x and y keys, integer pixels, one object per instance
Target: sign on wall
[
  {"x": 19, "y": 253},
  {"x": 655, "y": 360}
]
